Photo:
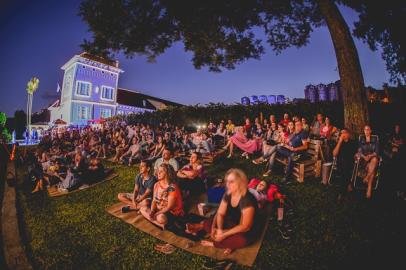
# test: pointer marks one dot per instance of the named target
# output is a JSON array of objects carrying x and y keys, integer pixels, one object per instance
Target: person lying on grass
[
  {"x": 233, "y": 226},
  {"x": 143, "y": 188},
  {"x": 259, "y": 193},
  {"x": 167, "y": 206}
]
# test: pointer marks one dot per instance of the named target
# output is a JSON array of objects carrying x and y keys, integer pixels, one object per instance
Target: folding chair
[
  {"x": 357, "y": 180},
  {"x": 335, "y": 174},
  {"x": 332, "y": 179}
]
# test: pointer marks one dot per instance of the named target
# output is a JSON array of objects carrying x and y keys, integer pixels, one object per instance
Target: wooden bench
[{"x": 308, "y": 166}]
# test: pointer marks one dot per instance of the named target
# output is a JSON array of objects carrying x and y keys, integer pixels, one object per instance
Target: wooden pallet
[{"x": 311, "y": 166}]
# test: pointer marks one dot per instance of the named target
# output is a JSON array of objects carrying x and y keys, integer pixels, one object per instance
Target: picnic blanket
[
  {"x": 55, "y": 192},
  {"x": 244, "y": 256}
]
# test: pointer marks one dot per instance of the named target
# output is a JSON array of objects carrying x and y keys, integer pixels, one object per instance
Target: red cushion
[{"x": 272, "y": 192}]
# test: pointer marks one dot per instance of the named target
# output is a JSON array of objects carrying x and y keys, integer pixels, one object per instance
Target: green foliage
[
  {"x": 32, "y": 85},
  {"x": 380, "y": 25},
  {"x": 193, "y": 115},
  {"x": 3, "y": 119},
  {"x": 6, "y": 135},
  {"x": 220, "y": 34}
]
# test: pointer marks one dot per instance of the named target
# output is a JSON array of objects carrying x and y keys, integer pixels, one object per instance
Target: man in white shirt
[{"x": 168, "y": 159}]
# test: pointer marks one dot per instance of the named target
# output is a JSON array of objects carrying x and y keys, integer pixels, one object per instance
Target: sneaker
[
  {"x": 256, "y": 162},
  {"x": 287, "y": 228},
  {"x": 284, "y": 233},
  {"x": 267, "y": 173},
  {"x": 63, "y": 190},
  {"x": 286, "y": 180},
  {"x": 166, "y": 249},
  {"x": 224, "y": 264},
  {"x": 125, "y": 209}
]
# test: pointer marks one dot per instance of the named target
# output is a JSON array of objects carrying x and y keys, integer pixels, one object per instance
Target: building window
[
  {"x": 83, "y": 112},
  {"x": 107, "y": 93},
  {"x": 83, "y": 88},
  {"x": 105, "y": 113}
]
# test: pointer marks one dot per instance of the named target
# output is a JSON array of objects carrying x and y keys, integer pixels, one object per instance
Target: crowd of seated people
[
  {"x": 64, "y": 168},
  {"x": 69, "y": 158},
  {"x": 262, "y": 140}
]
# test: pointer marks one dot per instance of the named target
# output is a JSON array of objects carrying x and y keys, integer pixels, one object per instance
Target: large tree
[
  {"x": 222, "y": 33},
  {"x": 381, "y": 26}
]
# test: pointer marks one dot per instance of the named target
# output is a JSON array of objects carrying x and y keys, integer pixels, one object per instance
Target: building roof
[
  {"x": 129, "y": 98},
  {"x": 55, "y": 104},
  {"x": 113, "y": 63},
  {"x": 92, "y": 60},
  {"x": 136, "y": 99}
]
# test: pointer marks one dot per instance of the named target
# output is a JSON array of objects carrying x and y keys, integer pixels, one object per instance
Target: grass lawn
[{"x": 75, "y": 231}]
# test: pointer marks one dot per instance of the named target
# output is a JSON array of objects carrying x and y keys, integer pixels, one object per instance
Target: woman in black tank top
[{"x": 233, "y": 225}]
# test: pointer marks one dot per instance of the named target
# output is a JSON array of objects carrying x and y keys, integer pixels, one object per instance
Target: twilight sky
[{"x": 38, "y": 37}]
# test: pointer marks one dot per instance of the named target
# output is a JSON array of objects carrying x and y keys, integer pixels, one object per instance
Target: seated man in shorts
[{"x": 143, "y": 189}]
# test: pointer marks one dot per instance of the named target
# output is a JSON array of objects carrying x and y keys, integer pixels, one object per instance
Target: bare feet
[
  {"x": 258, "y": 160},
  {"x": 267, "y": 173},
  {"x": 206, "y": 243},
  {"x": 193, "y": 228}
]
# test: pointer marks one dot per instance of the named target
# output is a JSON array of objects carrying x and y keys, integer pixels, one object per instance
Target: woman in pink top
[
  {"x": 241, "y": 141},
  {"x": 327, "y": 129}
]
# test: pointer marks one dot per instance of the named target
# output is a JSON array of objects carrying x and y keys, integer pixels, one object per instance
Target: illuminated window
[
  {"x": 83, "y": 88},
  {"x": 105, "y": 113},
  {"x": 83, "y": 112},
  {"x": 107, "y": 93}
]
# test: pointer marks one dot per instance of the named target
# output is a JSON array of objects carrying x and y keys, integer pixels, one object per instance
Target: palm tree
[{"x": 32, "y": 86}]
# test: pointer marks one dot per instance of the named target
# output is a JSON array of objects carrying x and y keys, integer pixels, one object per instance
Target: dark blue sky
[{"x": 38, "y": 37}]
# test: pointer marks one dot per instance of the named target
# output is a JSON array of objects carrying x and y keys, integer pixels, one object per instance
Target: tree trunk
[
  {"x": 28, "y": 108},
  {"x": 351, "y": 78},
  {"x": 29, "y": 114}
]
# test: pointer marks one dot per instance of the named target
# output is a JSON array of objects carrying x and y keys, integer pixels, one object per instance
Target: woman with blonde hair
[{"x": 233, "y": 226}]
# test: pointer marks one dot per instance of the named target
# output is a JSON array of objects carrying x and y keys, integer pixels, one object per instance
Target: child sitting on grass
[{"x": 260, "y": 193}]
